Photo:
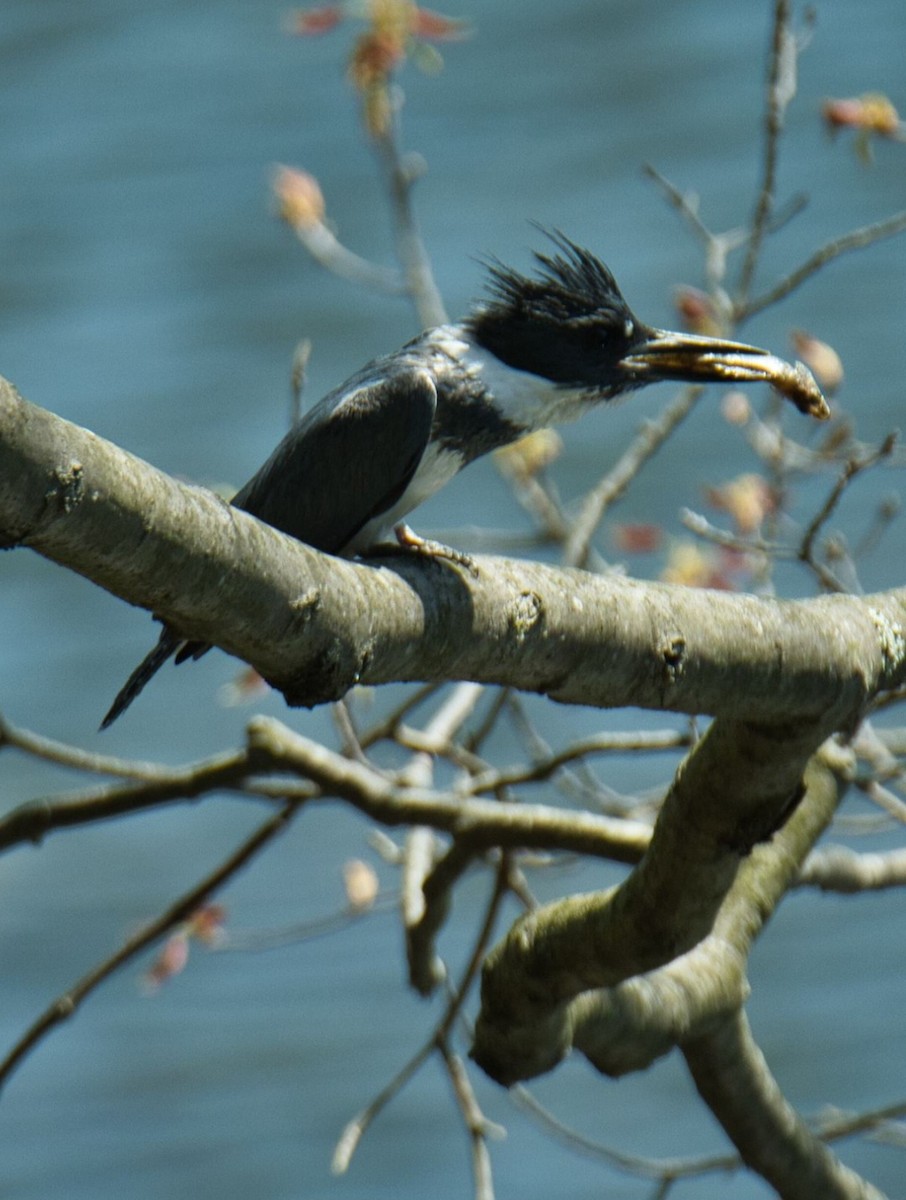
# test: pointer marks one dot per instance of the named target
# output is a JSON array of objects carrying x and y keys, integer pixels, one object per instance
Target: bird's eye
[{"x": 628, "y": 327}]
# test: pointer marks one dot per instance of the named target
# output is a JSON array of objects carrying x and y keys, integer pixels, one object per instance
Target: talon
[{"x": 414, "y": 543}]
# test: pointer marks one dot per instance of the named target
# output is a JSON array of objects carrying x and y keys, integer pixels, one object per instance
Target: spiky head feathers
[{"x": 568, "y": 322}]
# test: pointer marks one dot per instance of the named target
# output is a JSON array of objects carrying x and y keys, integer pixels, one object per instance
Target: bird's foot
[{"x": 408, "y": 539}]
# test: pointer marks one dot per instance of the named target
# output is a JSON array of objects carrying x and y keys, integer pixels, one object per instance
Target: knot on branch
[
  {"x": 891, "y": 638},
  {"x": 672, "y": 652},
  {"x": 68, "y": 490},
  {"x": 525, "y": 614}
]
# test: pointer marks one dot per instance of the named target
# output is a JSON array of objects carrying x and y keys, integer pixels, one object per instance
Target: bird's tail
[{"x": 167, "y": 645}]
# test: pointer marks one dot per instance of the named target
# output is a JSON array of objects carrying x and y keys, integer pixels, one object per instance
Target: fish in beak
[{"x": 693, "y": 359}]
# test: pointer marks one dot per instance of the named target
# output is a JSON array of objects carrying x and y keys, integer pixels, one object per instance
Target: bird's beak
[{"x": 693, "y": 359}]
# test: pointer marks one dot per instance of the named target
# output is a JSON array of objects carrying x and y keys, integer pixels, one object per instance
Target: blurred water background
[{"x": 149, "y": 293}]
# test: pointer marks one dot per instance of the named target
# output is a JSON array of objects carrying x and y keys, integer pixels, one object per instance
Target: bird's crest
[
  {"x": 567, "y": 286},
  {"x": 567, "y": 323}
]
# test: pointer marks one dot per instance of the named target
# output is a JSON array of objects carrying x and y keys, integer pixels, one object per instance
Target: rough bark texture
[{"x": 315, "y": 626}]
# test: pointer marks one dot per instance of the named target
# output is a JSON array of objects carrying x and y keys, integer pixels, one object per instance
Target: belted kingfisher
[{"x": 540, "y": 350}]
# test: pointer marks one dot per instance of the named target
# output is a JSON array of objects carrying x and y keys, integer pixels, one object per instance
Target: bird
[{"x": 537, "y": 350}]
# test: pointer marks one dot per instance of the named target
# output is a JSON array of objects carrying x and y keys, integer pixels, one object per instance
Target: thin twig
[
  {"x": 330, "y": 253},
  {"x": 851, "y": 469},
  {"x": 843, "y": 870},
  {"x": 646, "y": 443},
  {"x": 66, "y": 1005},
  {"x": 401, "y": 175},
  {"x": 857, "y": 240},
  {"x": 539, "y": 498},
  {"x": 386, "y": 727},
  {"x": 884, "y": 798},
  {"x": 844, "y": 1125},
  {"x": 645, "y": 741},
  {"x": 258, "y": 940},
  {"x": 349, "y": 735},
  {"x": 80, "y": 760},
  {"x": 699, "y": 524},
  {"x": 477, "y": 1125},
  {"x": 780, "y": 90},
  {"x": 483, "y": 731},
  {"x": 717, "y": 246},
  {"x": 647, "y": 1168},
  {"x": 437, "y": 737},
  {"x": 32, "y": 821},
  {"x": 420, "y": 743},
  {"x": 886, "y": 513},
  {"x": 355, "y": 1130},
  {"x": 685, "y": 205}
]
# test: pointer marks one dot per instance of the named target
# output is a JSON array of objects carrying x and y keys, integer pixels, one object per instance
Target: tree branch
[
  {"x": 315, "y": 626},
  {"x": 65, "y": 1006},
  {"x": 626, "y": 1028},
  {"x": 736, "y": 787},
  {"x": 733, "y": 1078}
]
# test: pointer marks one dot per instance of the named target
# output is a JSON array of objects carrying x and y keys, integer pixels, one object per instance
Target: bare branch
[
  {"x": 857, "y": 240},
  {"x": 480, "y": 824},
  {"x": 631, "y": 1164},
  {"x": 840, "y": 869},
  {"x": 885, "y": 799},
  {"x": 477, "y": 1125},
  {"x": 34, "y": 820},
  {"x": 314, "y": 626},
  {"x": 852, "y": 468},
  {"x": 781, "y": 89},
  {"x": 355, "y": 1130},
  {"x": 733, "y": 1078},
  {"x": 726, "y": 790},
  {"x": 66, "y": 1005},
  {"x": 80, "y": 760},
  {"x": 401, "y": 173},
  {"x": 358, "y": 1126},
  {"x": 649, "y": 440},
  {"x": 659, "y": 740},
  {"x": 424, "y": 908},
  {"x": 716, "y": 246},
  {"x": 330, "y": 253}
]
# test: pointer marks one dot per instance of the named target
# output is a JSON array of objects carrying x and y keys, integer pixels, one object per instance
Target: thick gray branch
[
  {"x": 738, "y": 785},
  {"x": 315, "y": 626},
  {"x": 733, "y": 1078},
  {"x": 625, "y": 1028}
]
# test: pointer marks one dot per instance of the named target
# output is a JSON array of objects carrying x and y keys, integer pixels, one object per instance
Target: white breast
[{"x": 435, "y": 470}]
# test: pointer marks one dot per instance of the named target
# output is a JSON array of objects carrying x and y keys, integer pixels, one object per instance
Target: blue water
[{"x": 149, "y": 293}]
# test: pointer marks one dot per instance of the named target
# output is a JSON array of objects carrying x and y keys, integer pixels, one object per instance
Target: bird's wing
[{"x": 346, "y": 461}]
